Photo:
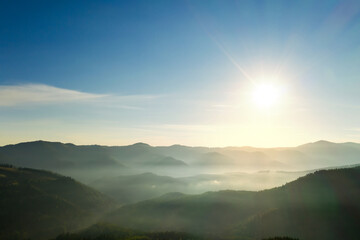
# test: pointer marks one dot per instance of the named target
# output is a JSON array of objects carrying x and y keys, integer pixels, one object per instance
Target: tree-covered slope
[
  {"x": 103, "y": 231},
  {"x": 41, "y": 204},
  {"x": 323, "y": 205}
]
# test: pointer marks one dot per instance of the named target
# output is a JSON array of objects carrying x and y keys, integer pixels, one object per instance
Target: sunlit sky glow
[{"x": 211, "y": 73}]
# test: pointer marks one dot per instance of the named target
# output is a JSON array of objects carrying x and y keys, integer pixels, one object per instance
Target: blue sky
[{"x": 166, "y": 72}]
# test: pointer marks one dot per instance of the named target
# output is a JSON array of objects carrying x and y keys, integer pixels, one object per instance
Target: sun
[{"x": 266, "y": 95}]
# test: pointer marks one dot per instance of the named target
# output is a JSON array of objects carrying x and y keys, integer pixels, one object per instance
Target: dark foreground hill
[
  {"x": 40, "y": 204},
  {"x": 322, "y": 205},
  {"x": 111, "y": 232},
  {"x": 103, "y": 231}
]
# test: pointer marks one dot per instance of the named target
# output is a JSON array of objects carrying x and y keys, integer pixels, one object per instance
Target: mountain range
[
  {"x": 321, "y": 205},
  {"x": 139, "y": 157},
  {"x": 214, "y": 193}
]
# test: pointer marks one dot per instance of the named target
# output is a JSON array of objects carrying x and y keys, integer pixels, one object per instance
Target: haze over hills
[
  {"x": 39, "y": 204},
  {"x": 238, "y": 206},
  {"x": 99, "y": 90},
  {"x": 138, "y": 187},
  {"x": 323, "y": 205},
  {"x": 56, "y": 156},
  {"x": 59, "y": 156},
  {"x": 138, "y": 172},
  {"x": 50, "y": 204}
]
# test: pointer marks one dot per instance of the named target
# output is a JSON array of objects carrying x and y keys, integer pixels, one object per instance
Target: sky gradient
[{"x": 179, "y": 72}]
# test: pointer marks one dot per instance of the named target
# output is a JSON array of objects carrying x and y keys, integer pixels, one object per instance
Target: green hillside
[
  {"x": 41, "y": 204},
  {"x": 323, "y": 205},
  {"x": 103, "y": 231}
]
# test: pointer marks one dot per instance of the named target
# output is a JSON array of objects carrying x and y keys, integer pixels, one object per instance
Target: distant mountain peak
[
  {"x": 141, "y": 144},
  {"x": 323, "y": 142},
  {"x": 318, "y": 143},
  {"x": 39, "y": 143},
  {"x": 178, "y": 145}
]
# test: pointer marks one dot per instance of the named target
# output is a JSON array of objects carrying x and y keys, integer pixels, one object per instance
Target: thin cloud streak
[
  {"x": 40, "y": 94},
  {"x": 12, "y": 95}
]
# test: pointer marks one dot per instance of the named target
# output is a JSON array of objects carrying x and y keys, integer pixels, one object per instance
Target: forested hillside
[
  {"x": 112, "y": 232},
  {"x": 41, "y": 204},
  {"x": 308, "y": 208}
]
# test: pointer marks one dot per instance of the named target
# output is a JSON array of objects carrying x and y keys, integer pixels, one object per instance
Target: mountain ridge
[
  {"x": 41, "y": 204},
  {"x": 174, "y": 145},
  {"x": 86, "y": 161},
  {"x": 324, "y": 198}
]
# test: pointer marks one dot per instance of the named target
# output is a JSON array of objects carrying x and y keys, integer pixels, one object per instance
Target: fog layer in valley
[{"x": 138, "y": 172}]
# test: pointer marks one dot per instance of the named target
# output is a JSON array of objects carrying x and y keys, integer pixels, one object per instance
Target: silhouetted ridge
[{"x": 140, "y": 144}]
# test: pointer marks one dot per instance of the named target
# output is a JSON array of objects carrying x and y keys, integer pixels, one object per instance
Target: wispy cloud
[
  {"x": 30, "y": 94},
  {"x": 11, "y": 95}
]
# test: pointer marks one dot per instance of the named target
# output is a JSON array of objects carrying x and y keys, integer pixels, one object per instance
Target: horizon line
[{"x": 176, "y": 144}]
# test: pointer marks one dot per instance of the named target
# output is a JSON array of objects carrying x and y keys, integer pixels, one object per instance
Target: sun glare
[{"x": 266, "y": 95}]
